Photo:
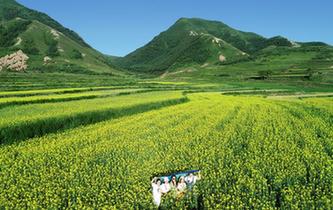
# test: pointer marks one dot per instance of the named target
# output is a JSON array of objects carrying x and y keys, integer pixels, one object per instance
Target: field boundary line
[{"x": 57, "y": 100}]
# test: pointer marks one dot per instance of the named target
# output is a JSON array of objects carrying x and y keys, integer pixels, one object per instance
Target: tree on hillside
[
  {"x": 52, "y": 49},
  {"x": 76, "y": 54},
  {"x": 52, "y": 44},
  {"x": 313, "y": 75},
  {"x": 28, "y": 46},
  {"x": 10, "y": 13}
]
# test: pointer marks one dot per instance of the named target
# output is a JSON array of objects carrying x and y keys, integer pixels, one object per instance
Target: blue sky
[{"x": 117, "y": 27}]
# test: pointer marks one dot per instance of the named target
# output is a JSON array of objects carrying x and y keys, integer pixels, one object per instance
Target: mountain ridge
[{"x": 168, "y": 49}]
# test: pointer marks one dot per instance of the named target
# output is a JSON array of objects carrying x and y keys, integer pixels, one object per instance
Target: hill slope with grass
[
  {"x": 49, "y": 45},
  {"x": 194, "y": 41},
  {"x": 188, "y": 41}
]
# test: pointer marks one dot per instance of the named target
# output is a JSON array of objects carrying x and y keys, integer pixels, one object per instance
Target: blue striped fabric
[{"x": 177, "y": 174}]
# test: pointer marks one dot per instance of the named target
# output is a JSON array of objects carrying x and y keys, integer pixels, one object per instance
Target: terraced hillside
[{"x": 253, "y": 152}]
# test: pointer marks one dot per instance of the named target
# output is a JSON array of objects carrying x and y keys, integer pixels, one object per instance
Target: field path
[{"x": 302, "y": 95}]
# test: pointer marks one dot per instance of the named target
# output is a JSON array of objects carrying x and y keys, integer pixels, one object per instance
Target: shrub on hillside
[
  {"x": 52, "y": 44},
  {"x": 76, "y": 54},
  {"x": 265, "y": 74},
  {"x": 28, "y": 46}
]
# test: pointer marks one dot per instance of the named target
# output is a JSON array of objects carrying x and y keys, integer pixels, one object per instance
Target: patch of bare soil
[{"x": 222, "y": 58}]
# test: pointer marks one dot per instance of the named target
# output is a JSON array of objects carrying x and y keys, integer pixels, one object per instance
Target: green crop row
[
  {"x": 4, "y": 102},
  {"x": 22, "y": 122},
  {"x": 26, "y": 93}
]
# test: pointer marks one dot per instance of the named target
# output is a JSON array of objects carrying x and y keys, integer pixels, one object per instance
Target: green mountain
[
  {"x": 49, "y": 45},
  {"x": 196, "y": 41},
  {"x": 192, "y": 41}
]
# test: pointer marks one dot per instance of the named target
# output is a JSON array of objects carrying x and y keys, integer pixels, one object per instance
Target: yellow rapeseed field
[{"x": 253, "y": 153}]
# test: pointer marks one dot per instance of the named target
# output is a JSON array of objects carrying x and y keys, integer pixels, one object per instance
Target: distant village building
[{"x": 15, "y": 62}]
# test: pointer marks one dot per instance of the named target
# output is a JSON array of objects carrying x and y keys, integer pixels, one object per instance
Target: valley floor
[{"x": 62, "y": 149}]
